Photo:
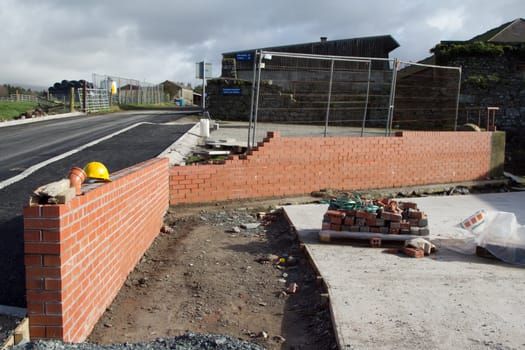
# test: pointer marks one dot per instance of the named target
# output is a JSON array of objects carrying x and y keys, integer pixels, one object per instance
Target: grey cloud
[{"x": 161, "y": 39}]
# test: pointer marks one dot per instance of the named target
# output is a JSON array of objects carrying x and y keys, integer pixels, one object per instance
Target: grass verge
[{"x": 9, "y": 110}]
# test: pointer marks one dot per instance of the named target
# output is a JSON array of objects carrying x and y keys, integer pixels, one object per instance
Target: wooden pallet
[
  {"x": 365, "y": 239},
  {"x": 21, "y": 334}
]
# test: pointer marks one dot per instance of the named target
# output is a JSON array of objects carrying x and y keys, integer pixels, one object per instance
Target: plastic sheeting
[{"x": 498, "y": 232}]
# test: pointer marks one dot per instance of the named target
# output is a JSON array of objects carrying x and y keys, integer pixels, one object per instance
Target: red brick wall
[
  {"x": 289, "y": 166},
  {"x": 78, "y": 255}
]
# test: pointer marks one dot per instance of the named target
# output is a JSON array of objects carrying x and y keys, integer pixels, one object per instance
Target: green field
[{"x": 9, "y": 110}]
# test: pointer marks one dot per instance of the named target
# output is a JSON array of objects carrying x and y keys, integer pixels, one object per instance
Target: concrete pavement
[
  {"x": 387, "y": 301},
  {"x": 446, "y": 301}
]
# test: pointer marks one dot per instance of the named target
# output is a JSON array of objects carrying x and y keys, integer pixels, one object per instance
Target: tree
[{"x": 198, "y": 89}]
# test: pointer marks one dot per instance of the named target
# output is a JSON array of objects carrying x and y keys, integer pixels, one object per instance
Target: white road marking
[{"x": 40, "y": 165}]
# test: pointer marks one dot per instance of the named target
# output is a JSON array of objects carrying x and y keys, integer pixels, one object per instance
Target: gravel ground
[
  {"x": 214, "y": 270},
  {"x": 189, "y": 341}
]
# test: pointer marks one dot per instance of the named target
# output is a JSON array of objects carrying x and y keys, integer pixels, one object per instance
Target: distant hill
[{"x": 36, "y": 88}]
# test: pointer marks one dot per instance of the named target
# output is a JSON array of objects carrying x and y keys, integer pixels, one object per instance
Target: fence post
[
  {"x": 84, "y": 96},
  {"x": 457, "y": 102},
  {"x": 392, "y": 98},
  {"x": 72, "y": 100},
  {"x": 261, "y": 54},
  {"x": 252, "y": 98},
  {"x": 367, "y": 98},
  {"x": 329, "y": 96}
]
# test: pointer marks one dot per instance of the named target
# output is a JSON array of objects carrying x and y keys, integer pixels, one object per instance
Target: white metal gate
[{"x": 95, "y": 100}]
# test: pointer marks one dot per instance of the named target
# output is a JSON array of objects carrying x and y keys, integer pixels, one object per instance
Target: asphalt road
[
  {"x": 22, "y": 146},
  {"x": 26, "y": 145}
]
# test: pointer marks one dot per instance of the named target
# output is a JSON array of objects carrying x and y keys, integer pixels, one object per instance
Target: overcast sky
[{"x": 44, "y": 41}]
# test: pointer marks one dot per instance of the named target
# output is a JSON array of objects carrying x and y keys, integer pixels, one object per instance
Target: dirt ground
[{"x": 206, "y": 274}]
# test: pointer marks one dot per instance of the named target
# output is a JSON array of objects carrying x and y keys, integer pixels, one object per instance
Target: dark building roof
[
  {"x": 373, "y": 46},
  {"x": 510, "y": 32}
]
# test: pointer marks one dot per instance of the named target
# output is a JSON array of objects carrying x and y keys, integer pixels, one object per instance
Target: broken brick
[
  {"x": 375, "y": 242},
  {"x": 395, "y": 224},
  {"x": 335, "y": 227},
  {"x": 408, "y": 205},
  {"x": 393, "y": 231},
  {"x": 349, "y": 220},
  {"x": 413, "y": 252},
  {"x": 414, "y": 230},
  {"x": 391, "y": 216},
  {"x": 336, "y": 220},
  {"x": 360, "y": 222},
  {"x": 384, "y": 229},
  {"x": 371, "y": 221},
  {"x": 371, "y": 216},
  {"x": 415, "y": 214},
  {"x": 413, "y": 222},
  {"x": 335, "y": 213},
  {"x": 361, "y": 214},
  {"x": 424, "y": 231},
  {"x": 404, "y": 225}
]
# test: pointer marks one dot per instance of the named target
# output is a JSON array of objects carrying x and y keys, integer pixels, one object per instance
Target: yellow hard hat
[{"x": 96, "y": 170}]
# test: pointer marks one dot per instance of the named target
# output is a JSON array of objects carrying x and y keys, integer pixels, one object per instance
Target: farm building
[
  {"x": 178, "y": 92},
  {"x": 239, "y": 64},
  {"x": 296, "y": 88}
]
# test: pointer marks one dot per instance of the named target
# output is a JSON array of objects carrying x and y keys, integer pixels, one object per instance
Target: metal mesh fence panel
[
  {"x": 426, "y": 97},
  {"x": 129, "y": 91},
  {"x": 337, "y": 95},
  {"x": 322, "y": 91},
  {"x": 95, "y": 100}
]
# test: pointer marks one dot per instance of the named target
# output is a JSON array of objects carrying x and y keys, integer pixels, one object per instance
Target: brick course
[
  {"x": 291, "y": 166},
  {"x": 78, "y": 255}
]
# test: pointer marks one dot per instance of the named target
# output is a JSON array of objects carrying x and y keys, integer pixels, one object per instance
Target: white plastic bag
[
  {"x": 498, "y": 232},
  {"x": 503, "y": 237}
]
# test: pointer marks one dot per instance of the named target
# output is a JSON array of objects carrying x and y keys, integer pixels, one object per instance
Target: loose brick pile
[{"x": 382, "y": 216}]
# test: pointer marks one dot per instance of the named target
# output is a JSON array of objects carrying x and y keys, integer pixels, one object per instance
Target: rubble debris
[
  {"x": 421, "y": 243},
  {"x": 279, "y": 338},
  {"x": 267, "y": 259},
  {"x": 413, "y": 252},
  {"x": 250, "y": 226},
  {"x": 166, "y": 229},
  {"x": 235, "y": 229},
  {"x": 292, "y": 288},
  {"x": 58, "y": 192}
]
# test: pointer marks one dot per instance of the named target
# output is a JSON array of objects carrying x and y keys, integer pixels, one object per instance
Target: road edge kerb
[{"x": 183, "y": 147}]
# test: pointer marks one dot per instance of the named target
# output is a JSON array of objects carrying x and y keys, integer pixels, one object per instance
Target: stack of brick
[{"x": 390, "y": 218}]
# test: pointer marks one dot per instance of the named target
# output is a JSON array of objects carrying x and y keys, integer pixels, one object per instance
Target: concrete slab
[{"x": 446, "y": 301}]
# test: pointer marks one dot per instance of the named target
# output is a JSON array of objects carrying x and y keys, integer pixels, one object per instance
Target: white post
[{"x": 204, "y": 89}]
